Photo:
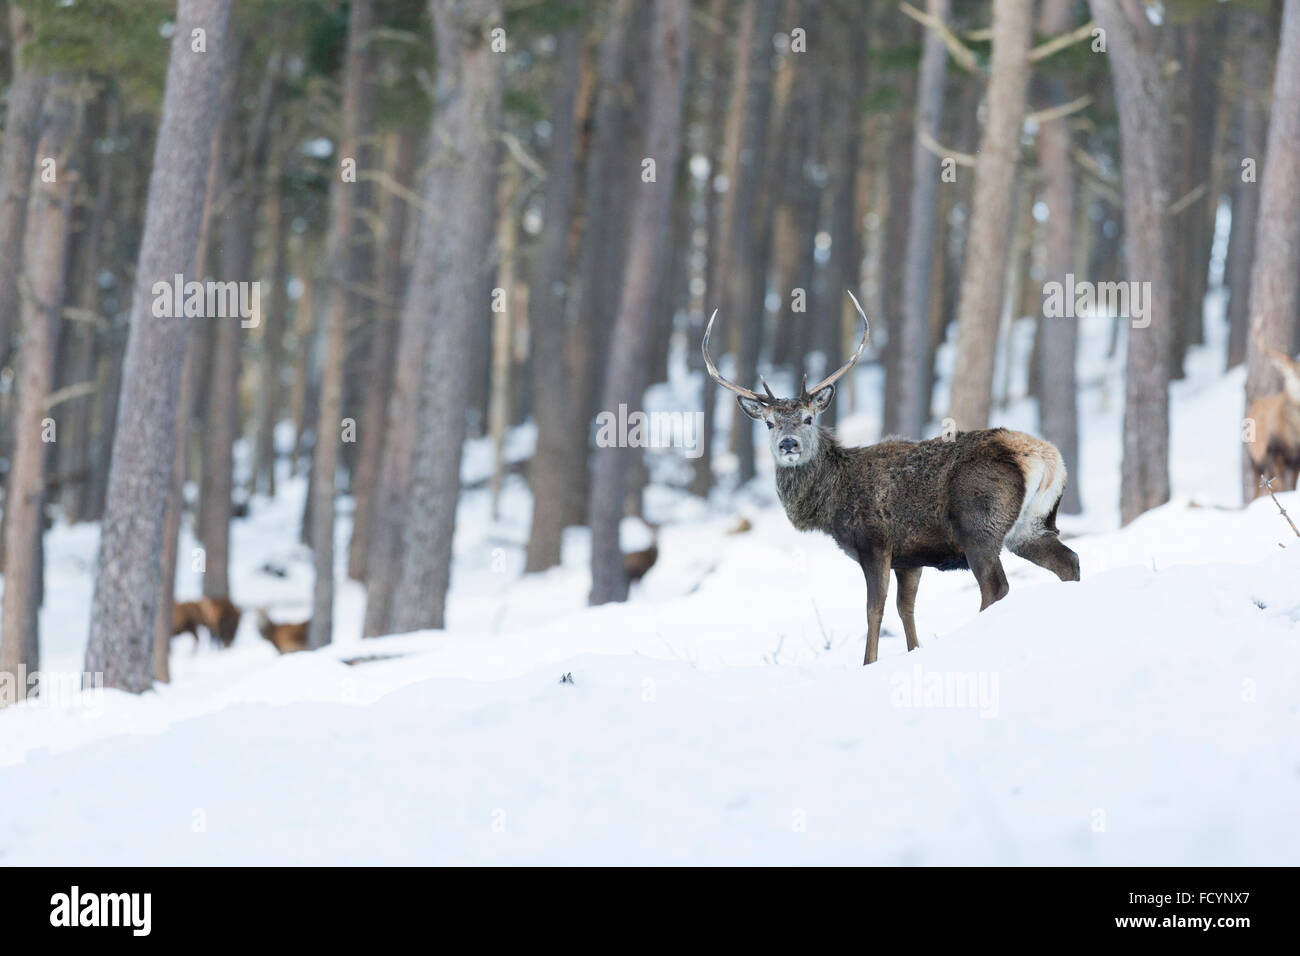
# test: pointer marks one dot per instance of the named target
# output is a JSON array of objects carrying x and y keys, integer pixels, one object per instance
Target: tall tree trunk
[
  {"x": 702, "y": 476},
  {"x": 551, "y": 398},
  {"x": 1196, "y": 115},
  {"x": 914, "y": 356},
  {"x": 602, "y": 250},
  {"x": 470, "y": 79},
  {"x": 127, "y": 578},
  {"x": 505, "y": 320},
  {"x": 400, "y": 163},
  {"x": 74, "y": 457},
  {"x": 273, "y": 322},
  {"x": 893, "y": 260},
  {"x": 1273, "y": 284},
  {"x": 990, "y": 224},
  {"x": 184, "y": 427},
  {"x": 22, "y": 130},
  {"x": 328, "y": 423},
  {"x": 1245, "y": 202},
  {"x": 1058, "y": 336},
  {"x": 41, "y": 288},
  {"x": 222, "y": 425},
  {"x": 1142, "y": 97},
  {"x": 746, "y": 149},
  {"x": 669, "y": 38}
]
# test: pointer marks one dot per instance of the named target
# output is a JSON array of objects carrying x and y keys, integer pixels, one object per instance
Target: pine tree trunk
[
  {"x": 1245, "y": 202},
  {"x": 273, "y": 322},
  {"x": 222, "y": 426},
  {"x": 458, "y": 235},
  {"x": 702, "y": 469},
  {"x": 328, "y": 423},
  {"x": 1058, "y": 336},
  {"x": 602, "y": 250},
  {"x": 391, "y": 281},
  {"x": 41, "y": 289},
  {"x": 21, "y": 132},
  {"x": 1273, "y": 284},
  {"x": 1142, "y": 97},
  {"x": 746, "y": 159},
  {"x": 187, "y": 395},
  {"x": 127, "y": 578},
  {"x": 653, "y": 204},
  {"x": 914, "y": 356},
  {"x": 990, "y": 224},
  {"x": 551, "y": 398}
]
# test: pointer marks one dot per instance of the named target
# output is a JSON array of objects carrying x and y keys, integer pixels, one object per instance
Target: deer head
[
  {"x": 1290, "y": 370},
  {"x": 1287, "y": 367},
  {"x": 791, "y": 422}
]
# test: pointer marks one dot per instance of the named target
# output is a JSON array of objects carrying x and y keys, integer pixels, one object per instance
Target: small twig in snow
[
  {"x": 1267, "y": 483},
  {"x": 825, "y": 637}
]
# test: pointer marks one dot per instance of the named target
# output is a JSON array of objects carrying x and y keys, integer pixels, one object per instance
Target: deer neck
[{"x": 806, "y": 490}]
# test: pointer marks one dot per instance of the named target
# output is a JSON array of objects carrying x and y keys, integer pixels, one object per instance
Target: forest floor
[{"x": 1146, "y": 715}]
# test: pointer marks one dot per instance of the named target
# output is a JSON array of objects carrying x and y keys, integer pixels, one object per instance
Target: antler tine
[
  {"x": 717, "y": 376},
  {"x": 853, "y": 359},
  {"x": 770, "y": 397}
]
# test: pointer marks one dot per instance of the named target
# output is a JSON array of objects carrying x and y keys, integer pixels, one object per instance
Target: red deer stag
[{"x": 946, "y": 503}]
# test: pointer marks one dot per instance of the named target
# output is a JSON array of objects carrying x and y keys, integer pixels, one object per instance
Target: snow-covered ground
[{"x": 1148, "y": 714}]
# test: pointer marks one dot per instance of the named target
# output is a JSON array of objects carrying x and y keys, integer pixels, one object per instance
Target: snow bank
[{"x": 1145, "y": 715}]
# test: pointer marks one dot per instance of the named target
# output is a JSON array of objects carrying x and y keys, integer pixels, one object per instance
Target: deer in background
[
  {"x": 1275, "y": 450},
  {"x": 948, "y": 503},
  {"x": 286, "y": 638},
  {"x": 219, "y": 616}
]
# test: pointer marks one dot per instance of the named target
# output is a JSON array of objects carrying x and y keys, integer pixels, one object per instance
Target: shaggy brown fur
[
  {"x": 945, "y": 503},
  {"x": 187, "y": 619},
  {"x": 221, "y": 618},
  {"x": 1275, "y": 451},
  {"x": 217, "y": 615},
  {"x": 286, "y": 638}
]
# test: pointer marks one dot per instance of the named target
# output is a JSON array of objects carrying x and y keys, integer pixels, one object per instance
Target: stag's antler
[
  {"x": 804, "y": 392},
  {"x": 835, "y": 376},
  {"x": 714, "y": 374}
]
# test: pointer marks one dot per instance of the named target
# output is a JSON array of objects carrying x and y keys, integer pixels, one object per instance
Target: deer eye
[
  {"x": 770, "y": 425},
  {"x": 808, "y": 420}
]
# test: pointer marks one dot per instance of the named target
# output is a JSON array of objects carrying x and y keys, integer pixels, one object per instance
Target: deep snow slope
[{"x": 1148, "y": 714}]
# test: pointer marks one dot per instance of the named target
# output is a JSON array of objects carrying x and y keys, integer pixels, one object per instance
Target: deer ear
[
  {"x": 821, "y": 399},
  {"x": 750, "y": 407}
]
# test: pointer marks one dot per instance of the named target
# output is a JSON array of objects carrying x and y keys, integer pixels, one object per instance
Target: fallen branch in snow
[
  {"x": 826, "y": 639},
  {"x": 1267, "y": 483}
]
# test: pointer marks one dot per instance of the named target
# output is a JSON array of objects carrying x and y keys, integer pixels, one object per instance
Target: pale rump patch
[{"x": 1044, "y": 473}]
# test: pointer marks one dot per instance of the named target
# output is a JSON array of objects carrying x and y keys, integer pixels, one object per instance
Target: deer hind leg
[
  {"x": 909, "y": 579},
  {"x": 989, "y": 574},
  {"x": 877, "y": 575},
  {"x": 1048, "y": 552}
]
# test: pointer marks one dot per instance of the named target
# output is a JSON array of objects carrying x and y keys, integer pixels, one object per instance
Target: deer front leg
[
  {"x": 909, "y": 579},
  {"x": 876, "y": 570}
]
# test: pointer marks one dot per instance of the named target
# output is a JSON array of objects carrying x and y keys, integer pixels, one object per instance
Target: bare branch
[
  {"x": 1268, "y": 484},
  {"x": 69, "y": 392},
  {"x": 1191, "y": 196},
  {"x": 1044, "y": 50},
  {"x": 960, "y": 52},
  {"x": 944, "y": 152},
  {"x": 1056, "y": 112}
]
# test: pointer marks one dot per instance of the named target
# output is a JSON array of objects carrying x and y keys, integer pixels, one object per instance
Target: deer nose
[{"x": 789, "y": 445}]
